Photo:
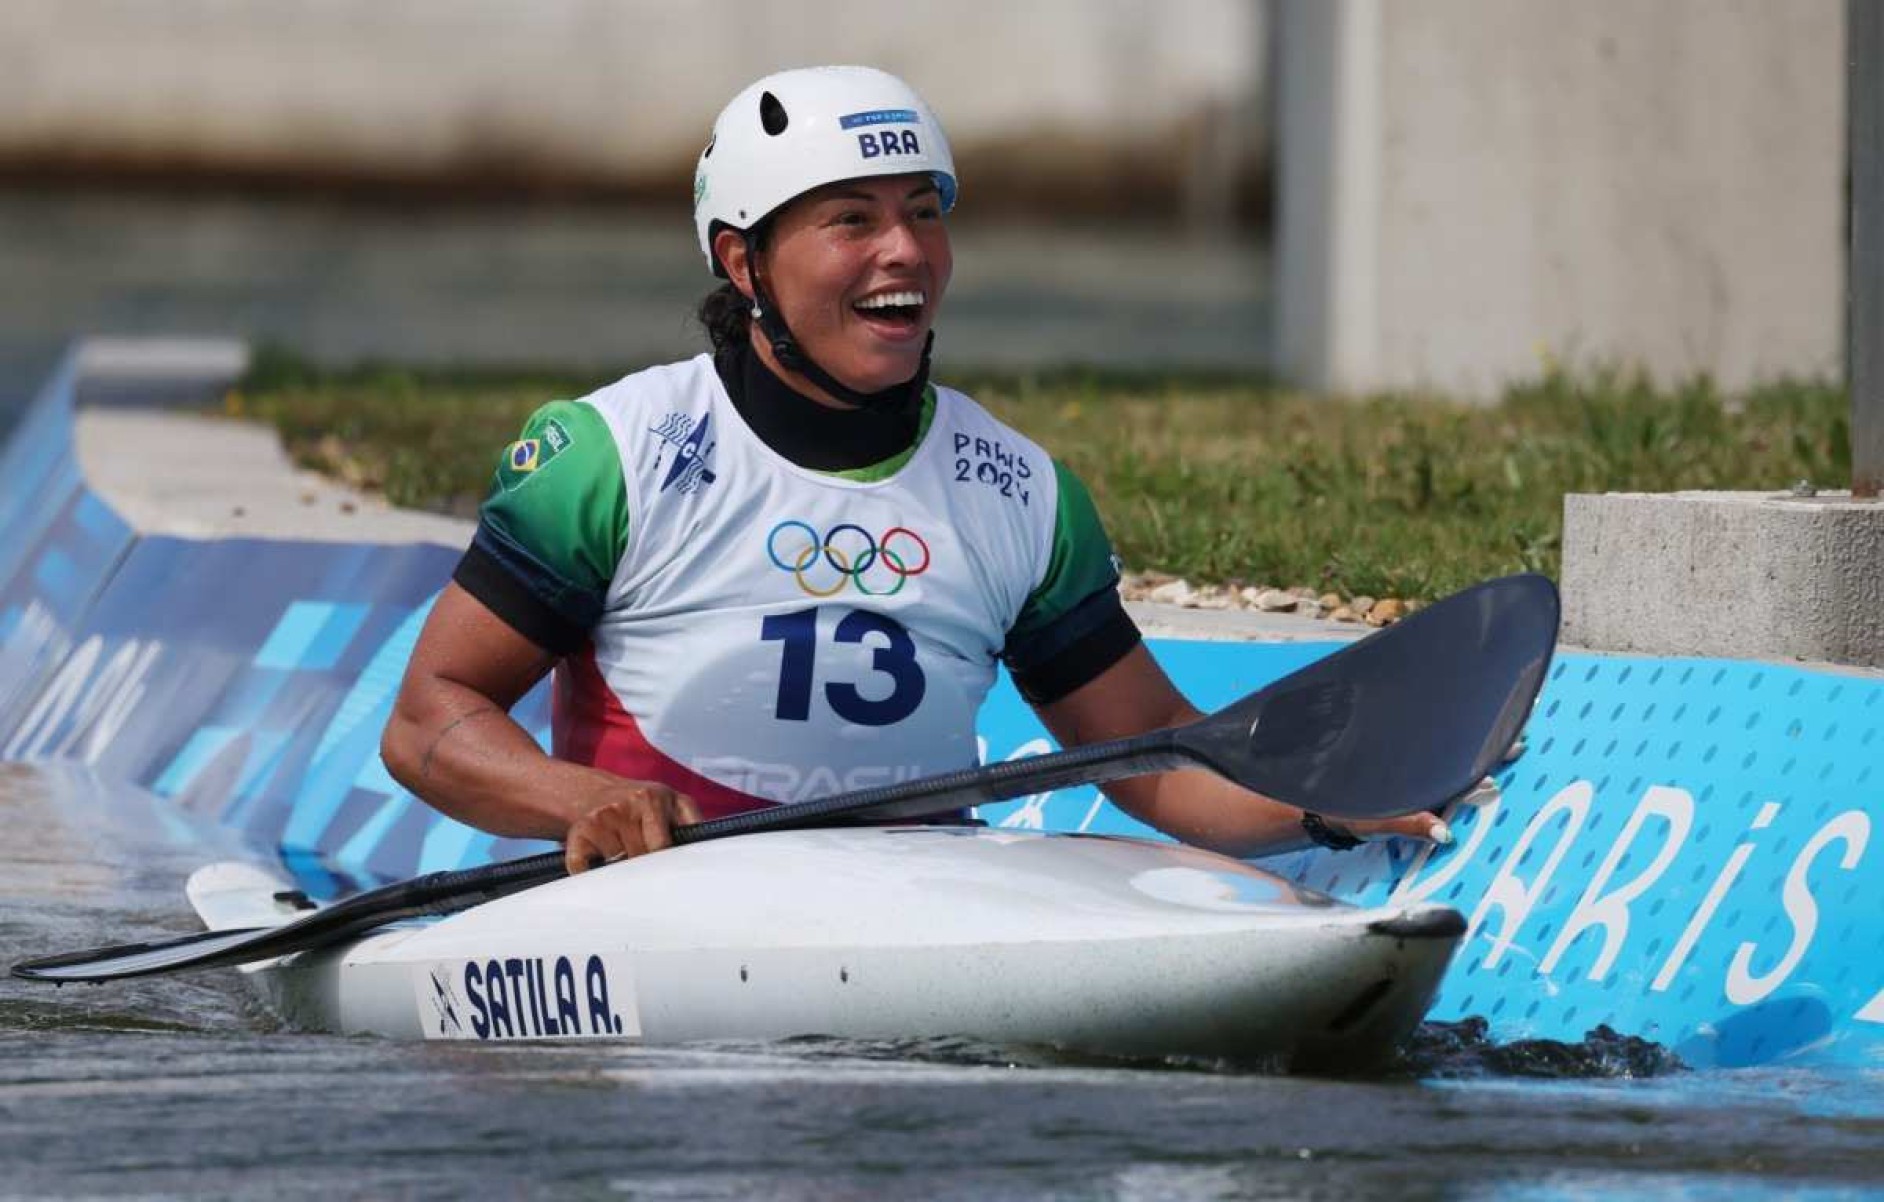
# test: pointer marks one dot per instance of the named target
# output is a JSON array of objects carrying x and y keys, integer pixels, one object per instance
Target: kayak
[{"x": 1094, "y": 944}]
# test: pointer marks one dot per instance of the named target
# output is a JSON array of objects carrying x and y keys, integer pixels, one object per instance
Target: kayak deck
[{"x": 1119, "y": 947}]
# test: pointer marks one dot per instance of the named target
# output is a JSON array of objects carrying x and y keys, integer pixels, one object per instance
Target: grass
[{"x": 1201, "y": 476}]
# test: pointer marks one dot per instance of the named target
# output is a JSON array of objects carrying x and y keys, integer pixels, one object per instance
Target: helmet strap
[{"x": 791, "y": 356}]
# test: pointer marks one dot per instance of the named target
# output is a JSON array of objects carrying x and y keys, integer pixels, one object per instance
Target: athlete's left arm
[
  {"x": 1076, "y": 655},
  {"x": 1134, "y": 696}
]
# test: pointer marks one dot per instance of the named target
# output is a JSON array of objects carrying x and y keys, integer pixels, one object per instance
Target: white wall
[
  {"x": 1469, "y": 185},
  {"x": 611, "y": 88}
]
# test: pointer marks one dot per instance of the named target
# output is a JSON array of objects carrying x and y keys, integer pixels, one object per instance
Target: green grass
[{"x": 1201, "y": 476}]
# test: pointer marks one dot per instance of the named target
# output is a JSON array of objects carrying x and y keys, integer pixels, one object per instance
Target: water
[
  {"x": 571, "y": 285},
  {"x": 186, "y": 1086}
]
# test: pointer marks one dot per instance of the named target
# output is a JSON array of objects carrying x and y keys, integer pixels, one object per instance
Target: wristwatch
[{"x": 1322, "y": 833}]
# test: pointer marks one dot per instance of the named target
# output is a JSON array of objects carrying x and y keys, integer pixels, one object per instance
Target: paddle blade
[
  {"x": 436, "y": 893},
  {"x": 1303, "y": 722},
  {"x": 203, "y": 949},
  {"x": 1401, "y": 721}
]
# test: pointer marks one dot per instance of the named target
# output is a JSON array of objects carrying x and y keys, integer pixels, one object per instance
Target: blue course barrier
[
  {"x": 1678, "y": 853},
  {"x": 1681, "y": 852}
]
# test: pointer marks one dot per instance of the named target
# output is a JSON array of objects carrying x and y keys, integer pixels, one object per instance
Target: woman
[{"x": 788, "y": 568}]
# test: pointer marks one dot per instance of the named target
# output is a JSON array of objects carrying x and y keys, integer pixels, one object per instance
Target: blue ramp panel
[
  {"x": 1684, "y": 851},
  {"x": 61, "y": 545},
  {"x": 63, "y": 551},
  {"x": 249, "y": 681}
]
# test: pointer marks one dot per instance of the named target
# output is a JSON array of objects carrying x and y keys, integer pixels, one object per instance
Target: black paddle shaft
[
  {"x": 1401, "y": 721},
  {"x": 1138, "y": 755},
  {"x": 447, "y": 892}
]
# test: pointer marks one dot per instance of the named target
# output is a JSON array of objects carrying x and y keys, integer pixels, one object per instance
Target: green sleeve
[
  {"x": 1080, "y": 566},
  {"x": 557, "y": 511}
]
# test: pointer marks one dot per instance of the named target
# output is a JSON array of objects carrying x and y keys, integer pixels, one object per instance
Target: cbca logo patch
[
  {"x": 690, "y": 469},
  {"x": 526, "y": 457}
]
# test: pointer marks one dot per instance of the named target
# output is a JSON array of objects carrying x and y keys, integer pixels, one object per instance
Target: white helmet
[{"x": 798, "y": 130}]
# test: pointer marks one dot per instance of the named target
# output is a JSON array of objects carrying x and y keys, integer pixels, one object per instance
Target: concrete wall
[
  {"x": 610, "y": 91},
  {"x": 1471, "y": 185}
]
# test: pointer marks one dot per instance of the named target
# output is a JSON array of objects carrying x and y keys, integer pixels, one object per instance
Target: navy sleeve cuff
[
  {"x": 482, "y": 574},
  {"x": 1085, "y": 641}
]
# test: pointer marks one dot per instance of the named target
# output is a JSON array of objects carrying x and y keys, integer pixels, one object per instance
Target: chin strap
[{"x": 792, "y": 357}]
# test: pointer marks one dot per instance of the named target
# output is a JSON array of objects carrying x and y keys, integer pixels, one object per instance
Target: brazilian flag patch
[{"x": 528, "y": 456}]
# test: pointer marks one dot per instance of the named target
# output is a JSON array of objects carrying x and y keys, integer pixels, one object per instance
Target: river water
[
  {"x": 185, "y": 1086},
  {"x": 573, "y": 285}
]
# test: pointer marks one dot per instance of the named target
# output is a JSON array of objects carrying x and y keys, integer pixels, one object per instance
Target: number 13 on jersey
[{"x": 866, "y": 702}]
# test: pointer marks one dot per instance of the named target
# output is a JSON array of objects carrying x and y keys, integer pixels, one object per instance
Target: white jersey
[{"x": 769, "y": 632}]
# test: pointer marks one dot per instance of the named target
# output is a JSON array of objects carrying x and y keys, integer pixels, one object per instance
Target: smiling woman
[
  {"x": 853, "y": 274},
  {"x": 789, "y": 568},
  {"x": 820, "y": 199}
]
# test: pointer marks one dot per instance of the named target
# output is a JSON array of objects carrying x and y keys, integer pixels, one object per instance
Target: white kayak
[{"x": 1120, "y": 947}]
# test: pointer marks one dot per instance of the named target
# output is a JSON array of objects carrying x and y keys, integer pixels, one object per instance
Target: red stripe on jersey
[{"x": 589, "y": 726}]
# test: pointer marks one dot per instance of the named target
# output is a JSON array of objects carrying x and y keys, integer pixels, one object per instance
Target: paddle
[{"x": 1401, "y": 721}]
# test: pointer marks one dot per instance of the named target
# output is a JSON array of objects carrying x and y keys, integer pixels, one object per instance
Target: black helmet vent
[
  {"x": 772, "y": 115},
  {"x": 708, "y": 152}
]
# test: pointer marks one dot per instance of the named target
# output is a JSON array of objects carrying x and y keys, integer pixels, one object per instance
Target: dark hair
[{"x": 726, "y": 312}]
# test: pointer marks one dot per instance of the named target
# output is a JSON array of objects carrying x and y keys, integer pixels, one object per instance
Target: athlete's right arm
[
  {"x": 528, "y": 591},
  {"x": 452, "y": 742}
]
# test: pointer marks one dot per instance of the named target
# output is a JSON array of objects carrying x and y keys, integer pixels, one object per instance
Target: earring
[{"x": 758, "y": 314}]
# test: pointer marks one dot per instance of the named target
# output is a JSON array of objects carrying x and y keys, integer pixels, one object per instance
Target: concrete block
[
  {"x": 151, "y": 373},
  {"x": 1468, "y": 186},
  {"x": 1740, "y": 574},
  {"x": 192, "y": 476}
]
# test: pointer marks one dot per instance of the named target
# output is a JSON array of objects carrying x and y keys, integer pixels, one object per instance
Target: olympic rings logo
[{"x": 823, "y": 564}]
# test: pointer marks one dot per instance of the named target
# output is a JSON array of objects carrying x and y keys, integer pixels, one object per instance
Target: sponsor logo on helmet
[
  {"x": 888, "y": 142},
  {"x": 880, "y": 117}
]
